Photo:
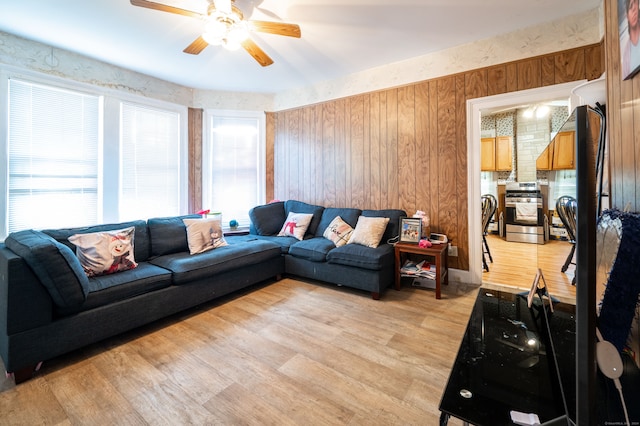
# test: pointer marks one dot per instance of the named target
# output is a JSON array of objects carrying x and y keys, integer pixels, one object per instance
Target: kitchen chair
[
  {"x": 489, "y": 206},
  {"x": 567, "y": 207}
]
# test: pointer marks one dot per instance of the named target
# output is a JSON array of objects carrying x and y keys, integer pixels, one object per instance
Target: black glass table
[{"x": 505, "y": 362}]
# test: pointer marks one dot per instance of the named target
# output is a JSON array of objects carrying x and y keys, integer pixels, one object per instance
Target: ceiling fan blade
[
  {"x": 257, "y": 53},
  {"x": 279, "y": 28},
  {"x": 196, "y": 47},
  {"x": 223, "y": 6},
  {"x": 165, "y": 8}
]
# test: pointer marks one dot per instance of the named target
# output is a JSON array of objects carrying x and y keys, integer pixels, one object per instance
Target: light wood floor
[
  {"x": 286, "y": 352},
  {"x": 515, "y": 265}
]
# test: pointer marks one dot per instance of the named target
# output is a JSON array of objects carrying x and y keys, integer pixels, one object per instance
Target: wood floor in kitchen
[{"x": 515, "y": 264}]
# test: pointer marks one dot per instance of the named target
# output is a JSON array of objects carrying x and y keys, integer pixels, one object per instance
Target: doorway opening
[{"x": 475, "y": 109}]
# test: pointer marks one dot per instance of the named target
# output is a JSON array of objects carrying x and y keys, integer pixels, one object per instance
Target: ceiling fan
[{"x": 224, "y": 25}]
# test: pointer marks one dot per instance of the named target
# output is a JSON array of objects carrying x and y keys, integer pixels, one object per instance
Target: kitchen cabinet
[
  {"x": 564, "y": 145},
  {"x": 559, "y": 154},
  {"x": 496, "y": 153},
  {"x": 503, "y": 153},
  {"x": 545, "y": 160},
  {"x": 488, "y": 154}
]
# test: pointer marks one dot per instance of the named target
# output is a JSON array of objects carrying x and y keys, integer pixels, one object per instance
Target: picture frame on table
[
  {"x": 629, "y": 36},
  {"x": 410, "y": 230}
]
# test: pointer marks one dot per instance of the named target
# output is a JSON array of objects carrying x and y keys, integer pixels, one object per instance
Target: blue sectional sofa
[
  {"x": 315, "y": 257},
  {"x": 49, "y": 306}
]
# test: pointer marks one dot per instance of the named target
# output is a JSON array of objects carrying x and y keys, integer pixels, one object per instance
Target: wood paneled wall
[
  {"x": 623, "y": 120},
  {"x": 404, "y": 147}
]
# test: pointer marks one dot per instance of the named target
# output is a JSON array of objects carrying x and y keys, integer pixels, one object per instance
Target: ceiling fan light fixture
[
  {"x": 230, "y": 45},
  {"x": 214, "y": 32},
  {"x": 228, "y": 30},
  {"x": 223, "y": 24},
  {"x": 237, "y": 33}
]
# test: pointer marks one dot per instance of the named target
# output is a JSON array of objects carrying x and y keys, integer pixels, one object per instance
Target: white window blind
[
  {"x": 149, "y": 162},
  {"x": 53, "y": 153},
  {"x": 232, "y": 182}
]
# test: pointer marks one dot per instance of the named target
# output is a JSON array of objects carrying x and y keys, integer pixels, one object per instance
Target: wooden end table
[{"x": 436, "y": 251}]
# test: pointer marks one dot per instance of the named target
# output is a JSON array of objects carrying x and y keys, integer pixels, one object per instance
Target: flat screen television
[{"x": 588, "y": 124}]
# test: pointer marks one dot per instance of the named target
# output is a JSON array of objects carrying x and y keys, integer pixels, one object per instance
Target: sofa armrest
[{"x": 24, "y": 302}]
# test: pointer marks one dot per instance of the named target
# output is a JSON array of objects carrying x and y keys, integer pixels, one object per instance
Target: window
[
  {"x": 149, "y": 162},
  {"x": 53, "y": 160},
  {"x": 73, "y": 157},
  {"x": 233, "y": 165}
]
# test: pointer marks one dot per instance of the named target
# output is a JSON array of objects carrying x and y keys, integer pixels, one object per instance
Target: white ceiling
[{"x": 338, "y": 37}]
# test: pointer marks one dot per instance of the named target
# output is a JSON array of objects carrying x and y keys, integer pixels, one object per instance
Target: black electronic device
[
  {"x": 588, "y": 123},
  {"x": 438, "y": 238}
]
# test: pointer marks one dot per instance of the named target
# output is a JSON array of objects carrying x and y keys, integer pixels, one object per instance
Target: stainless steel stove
[{"x": 524, "y": 214}]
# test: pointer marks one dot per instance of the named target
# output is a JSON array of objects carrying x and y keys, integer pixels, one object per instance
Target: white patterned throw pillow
[
  {"x": 204, "y": 234},
  {"x": 296, "y": 225},
  {"x": 338, "y": 231},
  {"x": 369, "y": 231},
  {"x": 105, "y": 252}
]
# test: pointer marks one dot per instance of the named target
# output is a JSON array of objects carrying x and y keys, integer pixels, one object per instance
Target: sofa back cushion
[
  {"x": 168, "y": 234},
  {"x": 293, "y": 206},
  {"x": 141, "y": 243},
  {"x": 267, "y": 219},
  {"x": 393, "y": 227},
  {"x": 55, "y": 265},
  {"x": 328, "y": 214}
]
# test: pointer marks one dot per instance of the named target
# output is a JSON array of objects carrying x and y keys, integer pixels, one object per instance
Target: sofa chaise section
[{"x": 39, "y": 322}]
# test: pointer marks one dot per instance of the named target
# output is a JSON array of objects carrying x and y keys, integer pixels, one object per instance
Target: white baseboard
[{"x": 460, "y": 276}]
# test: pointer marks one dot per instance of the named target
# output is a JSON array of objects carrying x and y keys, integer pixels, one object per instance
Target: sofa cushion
[
  {"x": 283, "y": 242},
  {"x": 330, "y": 213},
  {"x": 295, "y": 225},
  {"x": 105, "y": 252},
  {"x": 302, "y": 207},
  {"x": 267, "y": 219},
  {"x": 313, "y": 249},
  {"x": 106, "y": 289},
  {"x": 338, "y": 232},
  {"x": 393, "y": 227},
  {"x": 360, "y": 256},
  {"x": 369, "y": 231},
  {"x": 141, "y": 248},
  {"x": 169, "y": 234},
  {"x": 204, "y": 234},
  {"x": 55, "y": 265},
  {"x": 187, "y": 268}
]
